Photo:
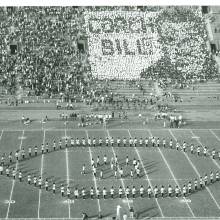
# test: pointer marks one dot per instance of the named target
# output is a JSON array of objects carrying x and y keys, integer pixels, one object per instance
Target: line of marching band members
[
  {"x": 121, "y": 191},
  {"x": 110, "y": 141}
]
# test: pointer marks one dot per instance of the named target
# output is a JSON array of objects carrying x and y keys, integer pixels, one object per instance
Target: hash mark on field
[
  {"x": 13, "y": 181},
  {"x": 67, "y": 174},
  {"x": 196, "y": 171},
  {"x": 172, "y": 174},
  {"x": 147, "y": 177},
  {"x": 41, "y": 173},
  {"x": 122, "y": 182},
  {"x": 94, "y": 179}
]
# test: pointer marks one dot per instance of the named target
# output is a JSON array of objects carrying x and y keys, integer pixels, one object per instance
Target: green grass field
[{"x": 159, "y": 166}]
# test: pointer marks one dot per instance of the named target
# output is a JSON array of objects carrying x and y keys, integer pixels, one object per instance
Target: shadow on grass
[
  {"x": 149, "y": 212},
  {"x": 103, "y": 216}
]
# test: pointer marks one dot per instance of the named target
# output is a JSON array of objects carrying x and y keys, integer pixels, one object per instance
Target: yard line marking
[
  {"x": 67, "y": 174},
  {"x": 147, "y": 177},
  {"x": 41, "y": 173},
  {"x": 197, "y": 172},
  {"x": 94, "y": 179},
  {"x": 172, "y": 174},
  {"x": 122, "y": 181},
  {"x": 203, "y": 148},
  {"x": 13, "y": 181},
  {"x": 1, "y": 134},
  {"x": 211, "y": 130}
]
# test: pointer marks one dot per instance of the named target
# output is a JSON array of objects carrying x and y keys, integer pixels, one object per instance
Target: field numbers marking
[
  {"x": 184, "y": 200},
  {"x": 69, "y": 201},
  {"x": 9, "y": 201}
]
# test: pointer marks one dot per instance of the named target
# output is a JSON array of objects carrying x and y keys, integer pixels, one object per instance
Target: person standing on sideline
[{"x": 118, "y": 213}]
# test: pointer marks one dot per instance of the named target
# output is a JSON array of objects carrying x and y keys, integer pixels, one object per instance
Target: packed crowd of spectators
[
  {"x": 182, "y": 33},
  {"x": 47, "y": 60}
]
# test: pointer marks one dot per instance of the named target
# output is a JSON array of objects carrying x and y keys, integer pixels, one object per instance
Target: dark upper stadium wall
[
  {"x": 214, "y": 20},
  {"x": 214, "y": 9}
]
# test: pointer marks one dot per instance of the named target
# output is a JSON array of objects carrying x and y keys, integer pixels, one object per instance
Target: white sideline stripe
[
  {"x": 172, "y": 174},
  {"x": 122, "y": 181},
  {"x": 214, "y": 161},
  {"x": 183, "y": 218},
  {"x": 113, "y": 179},
  {"x": 41, "y": 173},
  {"x": 94, "y": 179},
  {"x": 147, "y": 177},
  {"x": 13, "y": 181},
  {"x": 158, "y": 218},
  {"x": 197, "y": 172},
  {"x": 67, "y": 174},
  {"x": 115, "y": 129}
]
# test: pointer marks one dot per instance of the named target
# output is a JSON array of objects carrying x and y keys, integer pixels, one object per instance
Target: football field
[{"x": 159, "y": 166}]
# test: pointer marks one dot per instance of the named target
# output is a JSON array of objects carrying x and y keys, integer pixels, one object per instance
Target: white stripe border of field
[
  {"x": 104, "y": 3},
  {"x": 113, "y": 129}
]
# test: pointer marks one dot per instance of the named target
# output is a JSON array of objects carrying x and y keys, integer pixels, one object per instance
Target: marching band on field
[{"x": 135, "y": 172}]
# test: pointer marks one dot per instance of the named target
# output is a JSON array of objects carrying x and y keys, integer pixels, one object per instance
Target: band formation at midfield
[{"x": 117, "y": 168}]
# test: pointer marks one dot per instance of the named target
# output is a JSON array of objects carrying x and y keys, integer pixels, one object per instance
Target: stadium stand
[
  {"x": 47, "y": 62},
  {"x": 108, "y": 82}
]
